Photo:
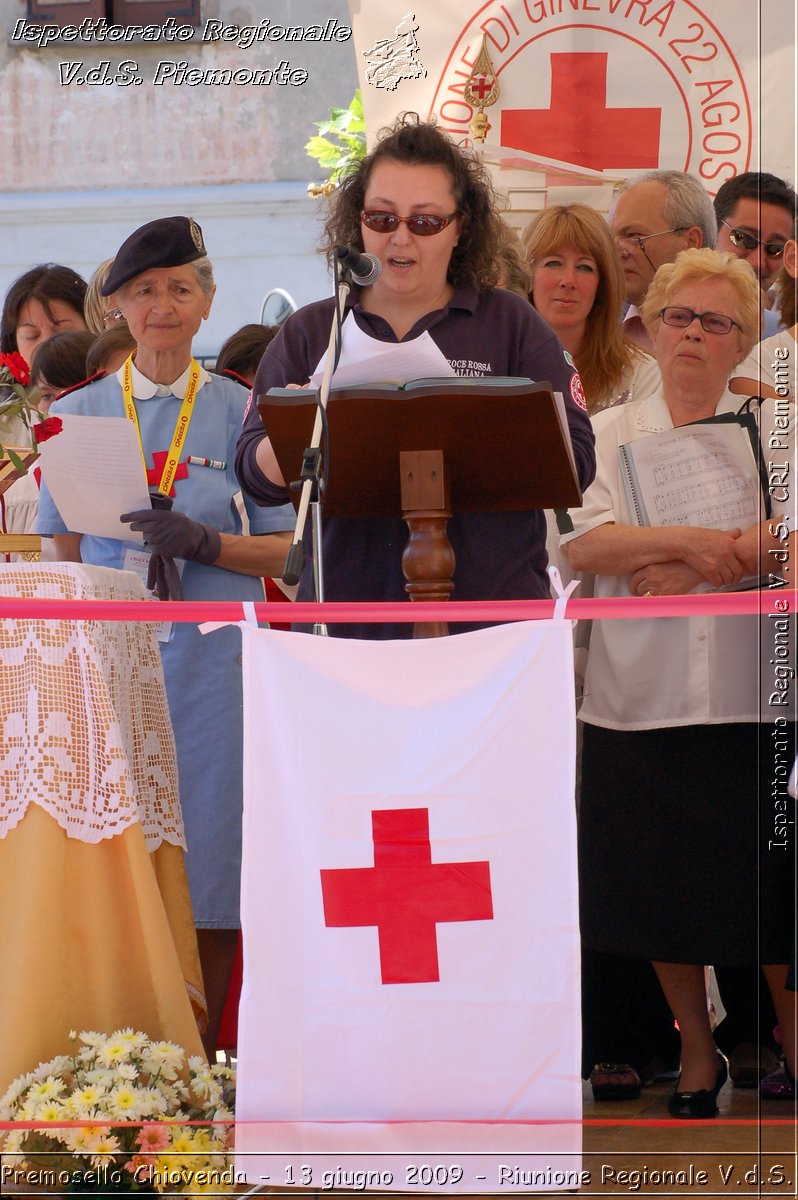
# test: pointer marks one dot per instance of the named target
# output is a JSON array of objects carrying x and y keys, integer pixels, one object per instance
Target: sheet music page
[
  {"x": 94, "y": 471},
  {"x": 696, "y": 475}
]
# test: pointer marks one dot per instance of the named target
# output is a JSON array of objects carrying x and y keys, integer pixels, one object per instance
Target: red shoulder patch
[{"x": 577, "y": 391}]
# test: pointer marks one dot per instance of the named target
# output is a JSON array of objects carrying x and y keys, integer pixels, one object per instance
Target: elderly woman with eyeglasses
[
  {"x": 677, "y": 825},
  {"x": 424, "y": 208}
]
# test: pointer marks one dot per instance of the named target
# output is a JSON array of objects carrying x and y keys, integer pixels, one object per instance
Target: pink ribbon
[{"x": 776, "y": 602}]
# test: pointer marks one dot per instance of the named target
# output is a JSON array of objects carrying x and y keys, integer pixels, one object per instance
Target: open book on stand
[{"x": 472, "y": 420}]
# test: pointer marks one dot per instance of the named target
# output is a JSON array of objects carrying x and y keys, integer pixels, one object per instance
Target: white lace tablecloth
[{"x": 84, "y": 723}]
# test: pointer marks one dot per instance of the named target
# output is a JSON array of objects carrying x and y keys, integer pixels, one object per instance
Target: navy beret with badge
[{"x": 167, "y": 242}]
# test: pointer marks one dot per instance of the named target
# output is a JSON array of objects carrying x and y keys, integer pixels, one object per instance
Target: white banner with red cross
[
  {"x": 409, "y": 909},
  {"x": 609, "y": 86}
]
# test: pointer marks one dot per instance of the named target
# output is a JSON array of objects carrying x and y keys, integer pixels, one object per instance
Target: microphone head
[{"x": 369, "y": 276}]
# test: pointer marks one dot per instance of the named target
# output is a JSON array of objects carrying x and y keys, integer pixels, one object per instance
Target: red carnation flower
[
  {"x": 17, "y": 366},
  {"x": 47, "y": 428}
]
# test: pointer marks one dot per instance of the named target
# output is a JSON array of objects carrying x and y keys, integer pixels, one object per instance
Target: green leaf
[
  {"x": 317, "y": 145},
  {"x": 353, "y": 142},
  {"x": 347, "y": 126},
  {"x": 323, "y": 151},
  {"x": 351, "y": 123}
]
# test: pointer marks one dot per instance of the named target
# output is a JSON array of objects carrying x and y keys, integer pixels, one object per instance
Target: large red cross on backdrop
[
  {"x": 578, "y": 127},
  {"x": 405, "y": 894},
  {"x": 155, "y": 473}
]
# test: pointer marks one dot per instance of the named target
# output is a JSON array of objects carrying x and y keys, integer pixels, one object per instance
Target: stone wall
[
  {"x": 180, "y": 125},
  {"x": 82, "y": 164}
]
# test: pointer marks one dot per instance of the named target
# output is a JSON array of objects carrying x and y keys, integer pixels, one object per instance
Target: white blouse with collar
[{"x": 654, "y": 673}]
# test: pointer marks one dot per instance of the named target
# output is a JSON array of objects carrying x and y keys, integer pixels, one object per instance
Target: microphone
[{"x": 365, "y": 269}]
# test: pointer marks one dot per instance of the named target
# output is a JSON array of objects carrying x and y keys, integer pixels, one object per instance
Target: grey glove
[
  {"x": 163, "y": 578},
  {"x": 172, "y": 534}
]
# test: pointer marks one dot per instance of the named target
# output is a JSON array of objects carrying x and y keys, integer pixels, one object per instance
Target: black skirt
[{"x": 687, "y": 843}]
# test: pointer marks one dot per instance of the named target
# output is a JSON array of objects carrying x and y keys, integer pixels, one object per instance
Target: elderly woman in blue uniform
[{"x": 193, "y": 536}]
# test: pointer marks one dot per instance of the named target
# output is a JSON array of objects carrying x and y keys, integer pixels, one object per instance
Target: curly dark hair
[
  {"x": 419, "y": 143},
  {"x": 44, "y": 283}
]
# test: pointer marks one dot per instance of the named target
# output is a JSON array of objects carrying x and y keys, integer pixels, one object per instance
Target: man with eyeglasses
[
  {"x": 755, "y": 213},
  {"x": 657, "y": 215},
  {"x": 625, "y": 1018}
]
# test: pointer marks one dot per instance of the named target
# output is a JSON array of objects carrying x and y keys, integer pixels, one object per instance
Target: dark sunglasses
[
  {"x": 420, "y": 224},
  {"x": 747, "y": 241}
]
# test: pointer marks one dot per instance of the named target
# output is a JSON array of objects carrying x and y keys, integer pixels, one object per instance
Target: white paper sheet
[
  {"x": 94, "y": 471},
  {"x": 364, "y": 359}
]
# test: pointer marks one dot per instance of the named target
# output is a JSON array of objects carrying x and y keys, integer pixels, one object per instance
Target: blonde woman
[
  {"x": 101, "y": 312},
  {"x": 577, "y": 287}
]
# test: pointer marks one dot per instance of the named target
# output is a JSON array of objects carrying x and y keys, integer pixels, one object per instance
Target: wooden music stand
[{"x": 426, "y": 452}]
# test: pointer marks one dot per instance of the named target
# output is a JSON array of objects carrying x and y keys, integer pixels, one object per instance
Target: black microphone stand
[{"x": 311, "y": 481}]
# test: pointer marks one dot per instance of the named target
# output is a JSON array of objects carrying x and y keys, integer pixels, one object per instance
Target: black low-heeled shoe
[{"x": 700, "y": 1105}]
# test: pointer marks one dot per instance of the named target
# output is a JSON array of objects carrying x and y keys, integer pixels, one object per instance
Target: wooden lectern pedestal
[
  {"x": 428, "y": 561},
  {"x": 450, "y": 446}
]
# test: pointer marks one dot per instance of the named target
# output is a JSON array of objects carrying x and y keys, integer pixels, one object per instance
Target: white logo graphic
[{"x": 390, "y": 60}]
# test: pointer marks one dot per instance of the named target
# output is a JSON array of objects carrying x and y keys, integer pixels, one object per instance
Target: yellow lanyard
[{"x": 181, "y": 427}]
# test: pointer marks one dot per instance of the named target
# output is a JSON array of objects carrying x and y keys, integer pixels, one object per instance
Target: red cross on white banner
[
  {"x": 578, "y": 125},
  {"x": 429, "y": 839},
  {"x": 405, "y": 894}
]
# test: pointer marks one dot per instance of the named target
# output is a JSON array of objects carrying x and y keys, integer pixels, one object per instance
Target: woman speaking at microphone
[
  {"x": 187, "y": 422},
  {"x": 425, "y": 209}
]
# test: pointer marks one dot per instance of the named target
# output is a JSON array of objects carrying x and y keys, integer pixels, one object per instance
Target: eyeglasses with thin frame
[
  {"x": 711, "y": 322},
  {"x": 747, "y": 241},
  {"x": 420, "y": 224},
  {"x": 635, "y": 242},
  {"x": 112, "y": 317}
]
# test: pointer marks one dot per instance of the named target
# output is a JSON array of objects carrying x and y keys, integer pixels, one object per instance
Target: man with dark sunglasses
[{"x": 755, "y": 213}]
